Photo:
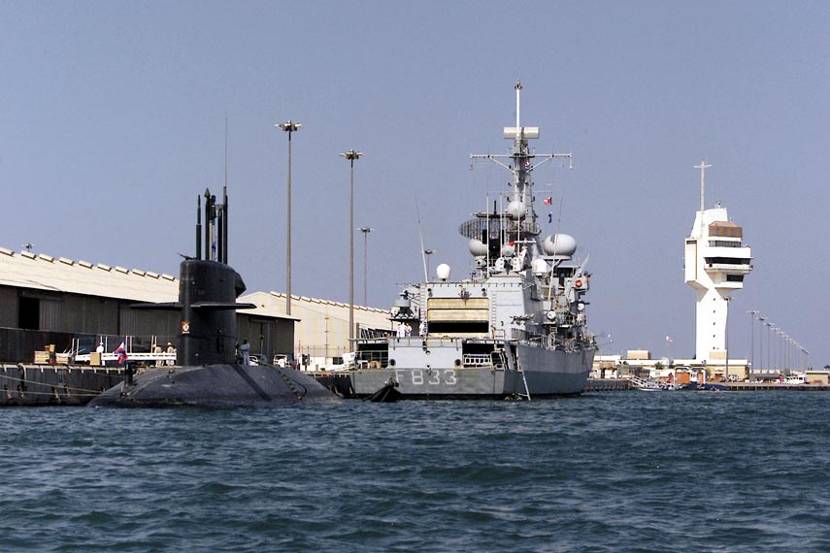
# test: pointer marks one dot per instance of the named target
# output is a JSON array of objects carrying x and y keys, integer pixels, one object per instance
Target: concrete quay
[
  {"x": 41, "y": 385},
  {"x": 775, "y": 387}
]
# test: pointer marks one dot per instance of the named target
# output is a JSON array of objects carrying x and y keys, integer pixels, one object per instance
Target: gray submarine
[{"x": 210, "y": 373}]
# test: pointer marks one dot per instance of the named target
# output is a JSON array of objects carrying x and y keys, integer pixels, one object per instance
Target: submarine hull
[{"x": 215, "y": 386}]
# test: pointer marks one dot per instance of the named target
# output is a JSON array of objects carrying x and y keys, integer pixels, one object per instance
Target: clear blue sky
[{"x": 112, "y": 118}]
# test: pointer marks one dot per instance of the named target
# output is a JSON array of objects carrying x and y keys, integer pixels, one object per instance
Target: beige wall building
[{"x": 322, "y": 330}]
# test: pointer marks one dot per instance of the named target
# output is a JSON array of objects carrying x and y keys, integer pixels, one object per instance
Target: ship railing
[
  {"x": 525, "y": 336},
  {"x": 429, "y": 340},
  {"x": 477, "y": 360},
  {"x": 372, "y": 358}
]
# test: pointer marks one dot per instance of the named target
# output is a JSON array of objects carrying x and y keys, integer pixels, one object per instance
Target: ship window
[
  {"x": 725, "y": 244},
  {"x": 734, "y": 278},
  {"x": 466, "y": 327}
]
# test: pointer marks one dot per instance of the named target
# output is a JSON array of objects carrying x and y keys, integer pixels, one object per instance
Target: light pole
[
  {"x": 782, "y": 351},
  {"x": 763, "y": 321},
  {"x": 752, "y": 315},
  {"x": 726, "y": 342},
  {"x": 365, "y": 231},
  {"x": 290, "y": 127},
  {"x": 351, "y": 156}
]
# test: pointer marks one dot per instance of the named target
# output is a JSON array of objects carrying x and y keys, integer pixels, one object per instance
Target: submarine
[{"x": 211, "y": 374}]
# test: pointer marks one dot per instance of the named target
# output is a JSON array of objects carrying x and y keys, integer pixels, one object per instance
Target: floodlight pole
[
  {"x": 365, "y": 231},
  {"x": 290, "y": 127},
  {"x": 351, "y": 156}
]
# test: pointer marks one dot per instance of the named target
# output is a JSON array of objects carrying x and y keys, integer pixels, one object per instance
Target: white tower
[{"x": 716, "y": 263}]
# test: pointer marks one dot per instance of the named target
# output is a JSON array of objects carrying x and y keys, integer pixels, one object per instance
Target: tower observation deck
[{"x": 716, "y": 263}]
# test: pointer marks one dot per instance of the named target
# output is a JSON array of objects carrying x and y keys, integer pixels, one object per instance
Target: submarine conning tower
[
  {"x": 208, "y": 374},
  {"x": 208, "y": 288},
  {"x": 207, "y": 294}
]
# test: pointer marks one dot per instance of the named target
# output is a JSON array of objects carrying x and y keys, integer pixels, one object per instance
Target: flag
[
  {"x": 548, "y": 200},
  {"x": 121, "y": 352}
]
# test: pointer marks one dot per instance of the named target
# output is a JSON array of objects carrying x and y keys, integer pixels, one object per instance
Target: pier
[
  {"x": 775, "y": 386},
  {"x": 40, "y": 385}
]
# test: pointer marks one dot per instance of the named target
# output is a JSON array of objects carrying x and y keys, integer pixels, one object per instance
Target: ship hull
[
  {"x": 215, "y": 386},
  {"x": 547, "y": 373}
]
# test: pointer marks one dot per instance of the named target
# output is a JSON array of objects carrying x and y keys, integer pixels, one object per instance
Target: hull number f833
[{"x": 433, "y": 377}]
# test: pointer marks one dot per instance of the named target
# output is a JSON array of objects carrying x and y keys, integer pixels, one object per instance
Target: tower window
[{"x": 728, "y": 260}]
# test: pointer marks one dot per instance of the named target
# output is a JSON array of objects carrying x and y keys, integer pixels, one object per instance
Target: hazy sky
[{"x": 112, "y": 121}]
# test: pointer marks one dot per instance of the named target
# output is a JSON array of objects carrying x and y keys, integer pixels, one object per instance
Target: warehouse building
[
  {"x": 322, "y": 331},
  {"x": 75, "y": 304}
]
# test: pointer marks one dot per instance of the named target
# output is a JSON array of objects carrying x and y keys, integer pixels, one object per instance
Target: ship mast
[{"x": 522, "y": 162}]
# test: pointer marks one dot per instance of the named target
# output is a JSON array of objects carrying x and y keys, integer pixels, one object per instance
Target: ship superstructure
[
  {"x": 515, "y": 327},
  {"x": 716, "y": 263}
]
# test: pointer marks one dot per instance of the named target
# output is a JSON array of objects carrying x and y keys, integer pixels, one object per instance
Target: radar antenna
[{"x": 524, "y": 162}]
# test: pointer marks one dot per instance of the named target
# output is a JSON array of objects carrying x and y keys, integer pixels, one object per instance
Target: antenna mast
[
  {"x": 521, "y": 162},
  {"x": 518, "y": 88},
  {"x": 421, "y": 236},
  {"x": 702, "y": 166}
]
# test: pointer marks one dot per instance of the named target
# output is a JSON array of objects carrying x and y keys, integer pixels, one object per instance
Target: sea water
[{"x": 623, "y": 471}]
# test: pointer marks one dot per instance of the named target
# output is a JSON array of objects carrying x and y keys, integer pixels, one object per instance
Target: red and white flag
[
  {"x": 121, "y": 352},
  {"x": 548, "y": 200}
]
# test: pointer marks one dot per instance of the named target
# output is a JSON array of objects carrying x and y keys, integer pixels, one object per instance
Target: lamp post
[
  {"x": 763, "y": 321},
  {"x": 290, "y": 127},
  {"x": 351, "y": 156},
  {"x": 365, "y": 231},
  {"x": 782, "y": 350},
  {"x": 752, "y": 315},
  {"x": 726, "y": 342}
]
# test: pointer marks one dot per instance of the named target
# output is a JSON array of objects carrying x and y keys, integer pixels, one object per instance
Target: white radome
[
  {"x": 443, "y": 272},
  {"x": 539, "y": 266},
  {"x": 516, "y": 209},
  {"x": 560, "y": 244},
  {"x": 477, "y": 247}
]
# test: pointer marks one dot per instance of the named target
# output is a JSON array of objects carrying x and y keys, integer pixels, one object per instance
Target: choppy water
[{"x": 626, "y": 471}]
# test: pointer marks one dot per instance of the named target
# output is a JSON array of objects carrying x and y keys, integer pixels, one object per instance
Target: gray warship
[
  {"x": 211, "y": 374},
  {"x": 516, "y": 328}
]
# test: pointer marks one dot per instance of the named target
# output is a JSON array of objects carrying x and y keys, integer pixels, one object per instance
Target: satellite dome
[
  {"x": 508, "y": 251},
  {"x": 516, "y": 209},
  {"x": 562, "y": 245},
  {"x": 477, "y": 247},
  {"x": 443, "y": 272},
  {"x": 539, "y": 266}
]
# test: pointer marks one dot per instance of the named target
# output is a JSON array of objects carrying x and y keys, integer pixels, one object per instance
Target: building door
[{"x": 28, "y": 313}]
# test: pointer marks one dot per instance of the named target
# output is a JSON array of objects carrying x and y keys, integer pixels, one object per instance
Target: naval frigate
[{"x": 515, "y": 328}]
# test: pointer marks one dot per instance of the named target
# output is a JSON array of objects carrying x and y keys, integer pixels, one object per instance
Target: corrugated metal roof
[
  {"x": 44, "y": 272},
  {"x": 329, "y": 302},
  {"x": 310, "y": 309}
]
